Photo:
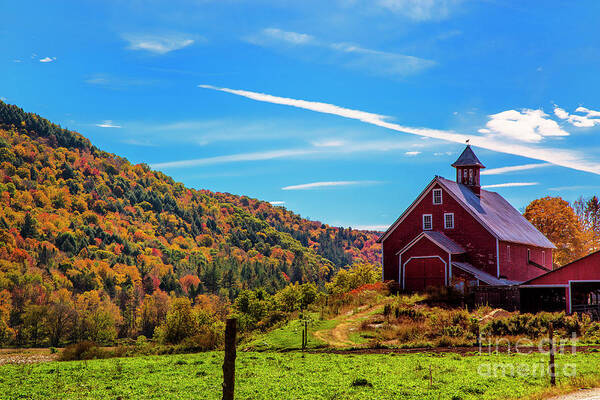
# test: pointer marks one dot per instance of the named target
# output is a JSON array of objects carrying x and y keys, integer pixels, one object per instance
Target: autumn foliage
[
  {"x": 556, "y": 219},
  {"x": 95, "y": 248}
]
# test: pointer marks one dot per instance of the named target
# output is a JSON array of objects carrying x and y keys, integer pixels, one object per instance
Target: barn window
[
  {"x": 470, "y": 176},
  {"x": 543, "y": 258},
  {"x": 437, "y": 196},
  {"x": 427, "y": 222},
  {"x": 449, "y": 220},
  {"x": 528, "y": 255},
  {"x": 508, "y": 253}
]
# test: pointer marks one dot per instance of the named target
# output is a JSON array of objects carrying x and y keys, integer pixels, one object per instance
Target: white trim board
[{"x": 417, "y": 257}]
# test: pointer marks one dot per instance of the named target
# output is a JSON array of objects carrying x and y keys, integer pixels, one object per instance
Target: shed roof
[
  {"x": 468, "y": 159},
  {"x": 482, "y": 275}
]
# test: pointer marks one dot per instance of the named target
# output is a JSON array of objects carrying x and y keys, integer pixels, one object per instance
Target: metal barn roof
[
  {"x": 448, "y": 244},
  {"x": 468, "y": 159},
  {"x": 439, "y": 239},
  {"x": 482, "y": 275},
  {"x": 497, "y": 215}
]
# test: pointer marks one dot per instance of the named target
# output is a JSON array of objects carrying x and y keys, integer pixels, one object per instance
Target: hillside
[{"x": 77, "y": 218}]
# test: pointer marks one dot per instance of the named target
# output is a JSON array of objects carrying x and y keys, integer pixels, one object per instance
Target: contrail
[{"x": 564, "y": 158}]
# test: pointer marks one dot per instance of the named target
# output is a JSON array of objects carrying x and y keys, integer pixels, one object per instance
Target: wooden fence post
[
  {"x": 229, "y": 360},
  {"x": 430, "y": 377},
  {"x": 305, "y": 334},
  {"x": 552, "y": 366}
]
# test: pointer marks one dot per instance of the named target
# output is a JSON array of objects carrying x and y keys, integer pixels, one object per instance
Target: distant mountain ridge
[{"x": 75, "y": 217}]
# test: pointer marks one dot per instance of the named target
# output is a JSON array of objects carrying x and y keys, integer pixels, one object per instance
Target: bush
[
  {"x": 361, "y": 382},
  {"x": 444, "y": 296},
  {"x": 85, "y": 350}
]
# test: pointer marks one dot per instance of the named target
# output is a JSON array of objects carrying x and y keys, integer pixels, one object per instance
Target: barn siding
[
  {"x": 584, "y": 269},
  {"x": 424, "y": 247},
  {"x": 516, "y": 267},
  {"x": 468, "y": 232}
]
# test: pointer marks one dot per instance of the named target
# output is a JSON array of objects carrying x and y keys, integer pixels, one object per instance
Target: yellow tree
[{"x": 556, "y": 219}]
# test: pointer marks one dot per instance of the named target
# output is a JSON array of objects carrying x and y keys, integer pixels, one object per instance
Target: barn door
[{"x": 421, "y": 273}]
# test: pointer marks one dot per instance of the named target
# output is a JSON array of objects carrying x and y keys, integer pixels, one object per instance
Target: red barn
[
  {"x": 456, "y": 233},
  {"x": 574, "y": 287}
]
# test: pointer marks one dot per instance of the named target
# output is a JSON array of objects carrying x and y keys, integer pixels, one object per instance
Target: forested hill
[{"x": 77, "y": 218}]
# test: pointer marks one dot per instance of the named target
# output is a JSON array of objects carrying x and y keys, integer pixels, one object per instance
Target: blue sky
[{"x": 341, "y": 111}]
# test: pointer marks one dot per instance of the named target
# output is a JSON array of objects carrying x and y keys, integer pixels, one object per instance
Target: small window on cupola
[{"x": 437, "y": 196}]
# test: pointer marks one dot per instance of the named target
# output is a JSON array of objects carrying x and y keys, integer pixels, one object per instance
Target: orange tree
[{"x": 556, "y": 219}]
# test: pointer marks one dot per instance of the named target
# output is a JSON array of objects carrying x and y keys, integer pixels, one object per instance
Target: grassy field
[
  {"x": 289, "y": 336},
  {"x": 272, "y": 375}
]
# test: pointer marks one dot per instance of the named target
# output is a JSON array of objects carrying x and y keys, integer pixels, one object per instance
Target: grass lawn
[
  {"x": 289, "y": 336},
  {"x": 271, "y": 375}
]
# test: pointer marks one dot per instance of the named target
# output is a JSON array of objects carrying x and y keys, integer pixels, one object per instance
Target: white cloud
[
  {"x": 328, "y": 143},
  {"x": 574, "y": 187},
  {"x": 277, "y": 203},
  {"x": 107, "y": 124},
  {"x": 114, "y": 82},
  {"x": 316, "y": 185},
  {"x": 514, "y": 168},
  {"x": 318, "y": 149},
  {"x": 581, "y": 121},
  {"x": 590, "y": 113},
  {"x": 412, "y": 153},
  {"x": 347, "y": 55},
  {"x": 142, "y": 143},
  {"x": 421, "y": 10},
  {"x": 47, "y": 59},
  {"x": 256, "y": 156},
  {"x": 565, "y": 158},
  {"x": 286, "y": 36},
  {"x": 378, "y": 228},
  {"x": 158, "y": 44},
  {"x": 527, "y": 126},
  {"x": 510, "y": 184},
  {"x": 443, "y": 153}
]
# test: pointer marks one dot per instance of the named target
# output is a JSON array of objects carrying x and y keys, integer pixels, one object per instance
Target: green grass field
[
  {"x": 289, "y": 336},
  {"x": 272, "y": 375}
]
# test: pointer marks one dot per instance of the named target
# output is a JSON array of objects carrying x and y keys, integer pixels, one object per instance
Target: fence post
[
  {"x": 305, "y": 334},
  {"x": 229, "y": 360},
  {"x": 552, "y": 365},
  {"x": 430, "y": 377}
]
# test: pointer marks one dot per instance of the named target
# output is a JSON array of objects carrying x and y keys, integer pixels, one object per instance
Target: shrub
[
  {"x": 445, "y": 296},
  {"x": 361, "y": 382},
  {"x": 85, "y": 350}
]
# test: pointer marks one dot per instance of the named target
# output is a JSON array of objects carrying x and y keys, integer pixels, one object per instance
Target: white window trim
[
  {"x": 441, "y": 196},
  {"x": 445, "y": 221},
  {"x": 544, "y": 258},
  {"x": 431, "y": 222}
]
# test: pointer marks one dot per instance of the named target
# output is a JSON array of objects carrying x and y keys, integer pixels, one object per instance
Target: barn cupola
[{"x": 467, "y": 170}]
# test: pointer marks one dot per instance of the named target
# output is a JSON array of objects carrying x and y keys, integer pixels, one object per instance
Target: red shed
[
  {"x": 574, "y": 287},
  {"x": 456, "y": 233}
]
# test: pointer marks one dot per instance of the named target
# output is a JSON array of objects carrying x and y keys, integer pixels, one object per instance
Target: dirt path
[
  {"x": 339, "y": 336},
  {"x": 584, "y": 394}
]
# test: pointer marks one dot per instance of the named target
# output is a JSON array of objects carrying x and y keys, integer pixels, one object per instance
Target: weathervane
[{"x": 468, "y": 141}]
